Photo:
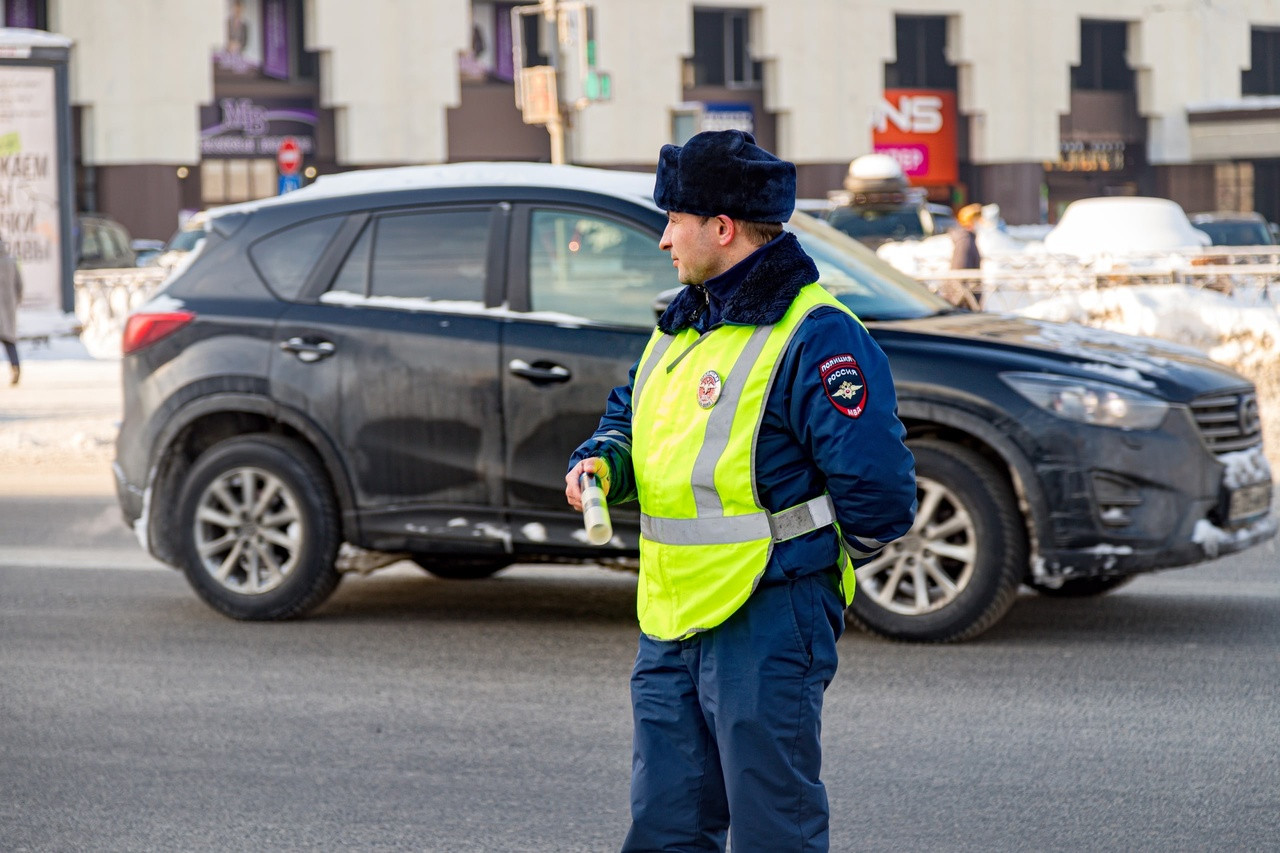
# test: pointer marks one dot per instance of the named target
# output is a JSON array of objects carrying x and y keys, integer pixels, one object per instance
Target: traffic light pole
[
  {"x": 560, "y": 128},
  {"x": 552, "y": 95}
]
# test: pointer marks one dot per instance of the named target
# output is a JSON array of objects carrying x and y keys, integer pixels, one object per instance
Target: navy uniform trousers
[{"x": 728, "y": 725}]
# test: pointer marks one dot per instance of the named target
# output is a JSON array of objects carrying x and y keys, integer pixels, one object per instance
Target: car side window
[
  {"x": 353, "y": 275},
  {"x": 436, "y": 255},
  {"x": 594, "y": 267},
  {"x": 91, "y": 248},
  {"x": 286, "y": 258},
  {"x": 118, "y": 246}
]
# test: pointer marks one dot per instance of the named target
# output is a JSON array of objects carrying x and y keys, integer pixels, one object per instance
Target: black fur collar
[{"x": 761, "y": 299}]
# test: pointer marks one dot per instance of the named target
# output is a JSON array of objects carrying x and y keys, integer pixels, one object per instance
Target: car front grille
[{"x": 1228, "y": 421}]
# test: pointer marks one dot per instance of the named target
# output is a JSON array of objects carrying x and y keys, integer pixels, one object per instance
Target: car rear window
[
  {"x": 285, "y": 259},
  {"x": 437, "y": 255}
]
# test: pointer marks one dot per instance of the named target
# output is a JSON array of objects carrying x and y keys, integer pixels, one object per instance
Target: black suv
[{"x": 397, "y": 363}]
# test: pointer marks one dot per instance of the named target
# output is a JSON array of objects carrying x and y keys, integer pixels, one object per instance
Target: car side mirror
[{"x": 663, "y": 299}]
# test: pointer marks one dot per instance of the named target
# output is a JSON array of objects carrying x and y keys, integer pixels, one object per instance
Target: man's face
[{"x": 695, "y": 246}]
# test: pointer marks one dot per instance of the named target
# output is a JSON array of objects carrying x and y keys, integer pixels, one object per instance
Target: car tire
[
  {"x": 957, "y": 571},
  {"x": 1081, "y": 587},
  {"x": 259, "y": 529},
  {"x": 457, "y": 568}
]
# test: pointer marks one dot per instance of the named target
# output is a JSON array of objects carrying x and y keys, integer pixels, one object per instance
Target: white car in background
[{"x": 1124, "y": 225}]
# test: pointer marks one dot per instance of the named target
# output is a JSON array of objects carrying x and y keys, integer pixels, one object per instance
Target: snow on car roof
[
  {"x": 1123, "y": 224},
  {"x": 636, "y": 186}
]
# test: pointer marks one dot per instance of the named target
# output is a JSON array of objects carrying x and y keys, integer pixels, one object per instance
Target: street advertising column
[{"x": 35, "y": 203}]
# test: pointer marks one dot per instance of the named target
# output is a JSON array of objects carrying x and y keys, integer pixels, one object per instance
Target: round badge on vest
[{"x": 709, "y": 387}]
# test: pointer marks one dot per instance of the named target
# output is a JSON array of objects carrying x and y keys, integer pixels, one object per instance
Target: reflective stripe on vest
[{"x": 705, "y": 539}]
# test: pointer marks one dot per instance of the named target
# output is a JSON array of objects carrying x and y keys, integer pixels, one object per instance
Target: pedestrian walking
[
  {"x": 964, "y": 253},
  {"x": 759, "y": 432},
  {"x": 10, "y": 296}
]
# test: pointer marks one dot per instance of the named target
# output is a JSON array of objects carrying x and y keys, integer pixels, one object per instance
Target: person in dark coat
[
  {"x": 964, "y": 254},
  {"x": 10, "y": 296}
]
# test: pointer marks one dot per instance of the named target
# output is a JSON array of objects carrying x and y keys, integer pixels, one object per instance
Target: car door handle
[
  {"x": 308, "y": 351},
  {"x": 541, "y": 372}
]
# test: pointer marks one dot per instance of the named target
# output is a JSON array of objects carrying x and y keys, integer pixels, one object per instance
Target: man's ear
[{"x": 726, "y": 230}]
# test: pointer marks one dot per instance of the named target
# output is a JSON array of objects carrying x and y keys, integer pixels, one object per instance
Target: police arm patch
[{"x": 844, "y": 384}]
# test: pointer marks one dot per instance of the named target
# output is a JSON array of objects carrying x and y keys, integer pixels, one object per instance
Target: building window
[
  {"x": 227, "y": 181},
  {"x": 1103, "y": 62},
  {"x": 922, "y": 55},
  {"x": 1263, "y": 75},
  {"x": 722, "y": 50}
]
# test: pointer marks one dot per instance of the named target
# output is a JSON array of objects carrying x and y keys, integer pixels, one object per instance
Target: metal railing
[
  {"x": 104, "y": 298},
  {"x": 1004, "y": 285}
]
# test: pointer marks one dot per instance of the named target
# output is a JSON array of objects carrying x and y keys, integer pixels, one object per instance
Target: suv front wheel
[
  {"x": 957, "y": 570},
  {"x": 259, "y": 529}
]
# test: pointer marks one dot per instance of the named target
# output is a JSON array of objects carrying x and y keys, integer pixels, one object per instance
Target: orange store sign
[{"x": 917, "y": 127}]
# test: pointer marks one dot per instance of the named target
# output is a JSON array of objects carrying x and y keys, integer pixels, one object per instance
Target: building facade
[{"x": 1027, "y": 103}]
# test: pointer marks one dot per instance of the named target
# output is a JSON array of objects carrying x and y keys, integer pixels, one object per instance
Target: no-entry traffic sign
[{"x": 289, "y": 156}]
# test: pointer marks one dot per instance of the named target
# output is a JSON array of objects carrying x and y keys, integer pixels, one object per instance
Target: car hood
[{"x": 1021, "y": 343}]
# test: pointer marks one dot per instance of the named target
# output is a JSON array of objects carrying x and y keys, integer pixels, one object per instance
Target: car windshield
[
  {"x": 894, "y": 224},
  {"x": 1236, "y": 233},
  {"x": 185, "y": 240},
  {"x": 873, "y": 289}
]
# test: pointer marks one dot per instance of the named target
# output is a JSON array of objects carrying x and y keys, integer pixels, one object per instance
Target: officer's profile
[{"x": 759, "y": 433}]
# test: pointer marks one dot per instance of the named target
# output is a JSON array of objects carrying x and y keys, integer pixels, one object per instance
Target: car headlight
[{"x": 1089, "y": 401}]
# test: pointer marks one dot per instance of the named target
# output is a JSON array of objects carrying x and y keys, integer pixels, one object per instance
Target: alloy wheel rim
[
  {"x": 248, "y": 530},
  {"x": 927, "y": 569}
]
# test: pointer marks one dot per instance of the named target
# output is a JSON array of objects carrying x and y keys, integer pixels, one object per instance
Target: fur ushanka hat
[{"x": 724, "y": 172}]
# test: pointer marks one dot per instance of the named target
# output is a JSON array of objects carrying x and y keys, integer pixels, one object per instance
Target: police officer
[{"x": 759, "y": 432}]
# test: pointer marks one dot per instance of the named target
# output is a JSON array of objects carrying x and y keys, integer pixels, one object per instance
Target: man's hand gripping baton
[{"x": 595, "y": 510}]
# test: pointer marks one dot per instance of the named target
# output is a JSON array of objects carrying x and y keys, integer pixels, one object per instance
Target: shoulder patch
[{"x": 844, "y": 384}]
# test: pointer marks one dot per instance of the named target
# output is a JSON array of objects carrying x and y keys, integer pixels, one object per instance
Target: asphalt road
[{"x": 417, "y": 714}]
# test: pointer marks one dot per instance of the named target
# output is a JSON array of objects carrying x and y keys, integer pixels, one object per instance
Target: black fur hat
[{"x": 725, "y": 172}]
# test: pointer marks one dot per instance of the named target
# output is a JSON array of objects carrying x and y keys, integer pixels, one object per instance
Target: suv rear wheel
[
  {"x": 957, "y": 570},
  {"x": 259, "y": 529}
]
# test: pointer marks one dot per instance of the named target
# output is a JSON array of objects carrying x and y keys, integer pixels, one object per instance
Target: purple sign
[
  {"x": 275, "y": 39},
  {"x": 255, "y": 127}
]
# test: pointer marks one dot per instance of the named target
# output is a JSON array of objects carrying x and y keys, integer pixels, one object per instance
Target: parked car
[
  {"x": 1123, "y": 225},
  {"x": 101, "y": 243},
  {"x": 879, "y": 206},
  {"x": 145, "y": 251},
  {"x": 183, "y": 241},
  {"x": 1234, "y": 229},
  {"x": 399, "y": 362}
]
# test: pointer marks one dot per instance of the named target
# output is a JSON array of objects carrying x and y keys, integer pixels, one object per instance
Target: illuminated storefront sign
[
  {"x": 255, "y": 127},
  {"x": 917, "y": 127},
  {"x": 1080, "y": 156}
]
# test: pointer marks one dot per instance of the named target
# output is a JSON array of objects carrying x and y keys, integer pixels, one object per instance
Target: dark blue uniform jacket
[{"x": 809, "y": 442}]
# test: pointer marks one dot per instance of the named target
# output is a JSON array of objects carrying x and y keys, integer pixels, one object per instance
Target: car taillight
[{"x": 143, "y": 330}]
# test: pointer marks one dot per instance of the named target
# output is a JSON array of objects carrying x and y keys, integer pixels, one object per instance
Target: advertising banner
[
  {"x": 29, "y": 208},
  {"x": 917, "y": 127}
]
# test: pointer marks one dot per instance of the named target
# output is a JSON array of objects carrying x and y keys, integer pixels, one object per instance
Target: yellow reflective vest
[{"x": 697, "y": 406}]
